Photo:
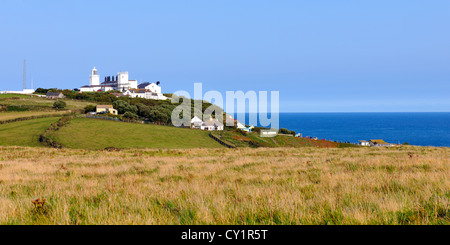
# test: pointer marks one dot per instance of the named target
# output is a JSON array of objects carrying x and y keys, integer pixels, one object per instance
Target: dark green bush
[{"x": 59, "y": 104}]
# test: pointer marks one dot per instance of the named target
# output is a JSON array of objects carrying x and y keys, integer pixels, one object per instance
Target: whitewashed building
[
  {"x": 120, "y": 82},
  {"x": 210, "y": 125},
  {"x": 196, "y": 122},
  {"x": 364, "y": 143},
  {"x": 25, "y": 91},
  {"x": 144, "y": 93}
]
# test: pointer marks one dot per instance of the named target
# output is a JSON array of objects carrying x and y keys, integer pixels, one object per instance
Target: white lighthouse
[{"x": 94, "y": 79}]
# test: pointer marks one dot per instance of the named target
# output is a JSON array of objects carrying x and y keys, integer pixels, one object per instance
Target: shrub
[
  {"x": 130, "y": 115},
  {"x": 122, "y": 107},
  {"x": 59, "y": 104},
  {"x": 286, "y": 131},
  {"x": 90, "y": 108}
]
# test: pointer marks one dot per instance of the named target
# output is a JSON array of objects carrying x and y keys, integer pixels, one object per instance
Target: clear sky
[{"x": 323, "y": 56}]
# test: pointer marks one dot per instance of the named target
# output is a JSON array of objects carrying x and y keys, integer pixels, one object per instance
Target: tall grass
[{"x": 405, "y": 185}]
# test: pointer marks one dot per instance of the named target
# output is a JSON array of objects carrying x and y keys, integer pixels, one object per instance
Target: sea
[{"x": 414, "y": 128}]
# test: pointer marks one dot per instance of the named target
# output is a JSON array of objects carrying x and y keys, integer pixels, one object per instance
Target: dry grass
[{"x": 405, "y": 185}]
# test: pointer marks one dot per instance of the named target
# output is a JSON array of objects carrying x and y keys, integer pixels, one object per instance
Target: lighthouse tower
[{"x": 94, "y": 79}]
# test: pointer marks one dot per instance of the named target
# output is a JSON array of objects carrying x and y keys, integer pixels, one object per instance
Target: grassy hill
[
  {"x": 24, "y": 133},
  {"x": 253, "y": 139},
  {"x": 82, "y": 133}
]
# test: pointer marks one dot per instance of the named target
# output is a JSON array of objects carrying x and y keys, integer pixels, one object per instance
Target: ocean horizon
[{"x": 414, "y": 128}]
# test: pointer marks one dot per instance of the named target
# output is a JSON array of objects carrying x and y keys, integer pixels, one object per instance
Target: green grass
[
  {"x": 14, "y": 96},
  {"x": 39, "y": 104},
  {"x": 4, "y": 116},
  {"x": 24, "y": 133},
  {"x": 254, "y": 139},
  {"x": 83, "y": 133}
]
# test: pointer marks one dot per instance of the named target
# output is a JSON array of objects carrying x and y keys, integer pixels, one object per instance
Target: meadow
[
  {"x": 5, "y": 116},
  {"x": 95, "y": 134},
  {"x": 308, "y": 185},
  {"x": 33, "y": 103},
  {"x": 24, "y": 133}
]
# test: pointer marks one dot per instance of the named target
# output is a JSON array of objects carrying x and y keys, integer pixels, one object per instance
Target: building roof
[
  {"x": 105, "y": 106},
  {"x": 218, "y": 124},
  {"x": 53, "y": 94},
  {"x": 92, "y": 86},
  {"x": 143, "y": 85},
  {"x": 139, "y": 90},
  {"x": 208, "y": 123},
  {"x": 213, "y": 122},
  {"x": 108, "y": 83},
  {"x": 196, "y": 119},
  {"x": 379, "y": 142}
]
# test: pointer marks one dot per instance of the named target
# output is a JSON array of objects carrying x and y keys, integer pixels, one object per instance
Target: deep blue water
[{"x": 416, "y": 128}]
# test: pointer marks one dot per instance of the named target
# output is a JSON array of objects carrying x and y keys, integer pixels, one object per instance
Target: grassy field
[
  {"x": 309, "y": 185},
  {"x": 24, "y": 133},
  {"x": 96, "y": 134},
  {"x": 37, "y": 103},
  {"x": 4, "y": 116},
  {"x": 4, "y": 96}
]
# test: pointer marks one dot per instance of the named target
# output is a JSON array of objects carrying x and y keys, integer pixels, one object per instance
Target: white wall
[
  {"x": 94, "y": 79},
  {"x": 122, "y": 80},
  {"x": 133, "y": 84}
]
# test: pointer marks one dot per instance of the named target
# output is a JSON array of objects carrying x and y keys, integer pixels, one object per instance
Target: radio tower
[{"x": 24, "y": 74}]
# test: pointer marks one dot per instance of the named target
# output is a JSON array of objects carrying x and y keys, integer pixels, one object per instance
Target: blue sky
[{"x": 323, "y": 56}]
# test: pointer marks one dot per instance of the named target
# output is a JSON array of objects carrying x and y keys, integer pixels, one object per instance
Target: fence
[{"x": 220, "y": 141}]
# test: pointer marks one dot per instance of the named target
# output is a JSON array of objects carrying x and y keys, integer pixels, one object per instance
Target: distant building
[
  {"x": 364, "y": 143},
  {"x": 210, "y": 125},
  {"x": 145, "y": 93},
  {"x": 218, "y": 125},
  {"x": 239, "y": 125},
  {"x": 121, "y": 82},
  {"x": 379, "y": 143},
  {"x": 52, "y": 95},
  {"x": 196, "y": 122},
  {"x": 106, "y": 109},
  {"x": 25, "y": 91}
]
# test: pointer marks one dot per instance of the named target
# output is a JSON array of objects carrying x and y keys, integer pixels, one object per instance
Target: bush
[
  {"x": 122, "y": 107},
  {"x": 17, "y": 108},
  {"x": 130, "y": 115},
  {"x": 59, "y": 104},
  {"x": 286, "y": 131},
  {"x": 90, "y": 108}
]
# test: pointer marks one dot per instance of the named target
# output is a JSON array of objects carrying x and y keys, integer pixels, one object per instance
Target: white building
[
  {"x": 94, "y": 78},
  {"x": 364, "y": 143},
  {"x": 144, "y": 93},
  {"x": 122, "y": 83},
  {"x": 119, "y": 82},
  {"x": 25, "y": 91},
  {"x": 210, "y": 125},
  {"x": 196, "y": 122}
]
